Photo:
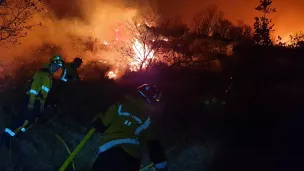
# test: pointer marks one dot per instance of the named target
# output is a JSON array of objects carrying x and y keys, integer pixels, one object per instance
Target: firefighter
[
  {"x": 70, "y": 71},
  {"x": 36, "y": 98},
  {"x": 126, "y": 127}
]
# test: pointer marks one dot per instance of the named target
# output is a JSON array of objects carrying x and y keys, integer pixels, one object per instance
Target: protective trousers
[
  {"x": 25, "y": 120},
  {"x": 116, "y": 159}
]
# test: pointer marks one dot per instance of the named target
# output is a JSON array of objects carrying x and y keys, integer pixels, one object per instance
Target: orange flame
[
  {"x": 142, "y": 55},
  {"x": 112, "y": 75}
]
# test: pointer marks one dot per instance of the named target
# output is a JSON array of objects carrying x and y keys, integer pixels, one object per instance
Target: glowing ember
[
  {"x": 149, "y": 25},
  {"x": 112, "y": 75},
  {"x": 102, "y": 61}
]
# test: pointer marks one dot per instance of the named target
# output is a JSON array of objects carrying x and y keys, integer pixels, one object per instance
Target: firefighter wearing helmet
[
  {"x": 126, "y": 126},
  {"x": 36, "y": 97},
  {"x": 70, "y": 72}
]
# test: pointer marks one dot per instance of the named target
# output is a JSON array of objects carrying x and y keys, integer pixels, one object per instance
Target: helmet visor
[{"x": 58, "y": 62}]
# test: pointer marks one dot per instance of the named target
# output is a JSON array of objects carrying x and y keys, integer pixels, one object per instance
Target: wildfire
[{"x": 142, "y": 56}]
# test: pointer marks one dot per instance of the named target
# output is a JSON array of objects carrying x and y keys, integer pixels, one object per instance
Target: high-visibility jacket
[
  {"x": 70, "y": 72},
  {"x": 128, "y": 126},
  {"x": 40, "y": 87}
]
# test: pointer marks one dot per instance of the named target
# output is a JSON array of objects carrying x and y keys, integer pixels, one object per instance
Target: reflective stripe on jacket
[
  {"x": 70, "y": 72},
  {"x": 127, "y": 126}
]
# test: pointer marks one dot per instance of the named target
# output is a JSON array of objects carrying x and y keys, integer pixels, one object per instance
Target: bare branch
[
  {"x": 223, "y": 27},
  {"x": 14, "y": 18}
]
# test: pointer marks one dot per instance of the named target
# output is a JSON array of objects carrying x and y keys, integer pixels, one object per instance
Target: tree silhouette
[
  {"x": 14, "y": 18},
  {"x": 205, "y": 22},
  {"x": 262, "y": 25},
  {"x": 240, "y": 31},
  {"x": 223, "y": 27},
  {"x": 296, "y": 40}
]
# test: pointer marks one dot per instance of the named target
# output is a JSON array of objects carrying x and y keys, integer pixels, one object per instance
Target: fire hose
[
  {"x": 79, "y": 147},
  {"x": 67, "y": 148}
]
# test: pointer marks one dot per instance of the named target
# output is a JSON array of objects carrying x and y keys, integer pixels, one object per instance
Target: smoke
[
  {"x": 69, "y": 22},
  {"x": 287, "y": 19}
]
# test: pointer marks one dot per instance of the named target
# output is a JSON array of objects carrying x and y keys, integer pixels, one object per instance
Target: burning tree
[
  {"x": 15, "y": 16},
  {"x": 144, "y": 42}
]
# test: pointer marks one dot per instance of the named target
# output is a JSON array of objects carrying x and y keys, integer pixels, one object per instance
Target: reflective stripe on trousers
[
  {"x": 113, "y": 143},
  {"x": 161, "y": 165},
  {"x": 139, "y": 129},
  {"x": 10, "y": 132},
  {"x": 44, "y": 88},
  {"x": 34, "y": 92}
]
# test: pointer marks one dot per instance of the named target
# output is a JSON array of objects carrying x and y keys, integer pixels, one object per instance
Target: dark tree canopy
[
  {"x": 15, "y": 16},
  {"x": 262, "y": 25}
]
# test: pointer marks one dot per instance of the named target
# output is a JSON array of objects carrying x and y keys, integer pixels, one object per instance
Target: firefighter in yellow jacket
[
  {"x": 126, "y": 128},
  {"x": 36, "y": 97},
  {"x": 70, "y": 72}
]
